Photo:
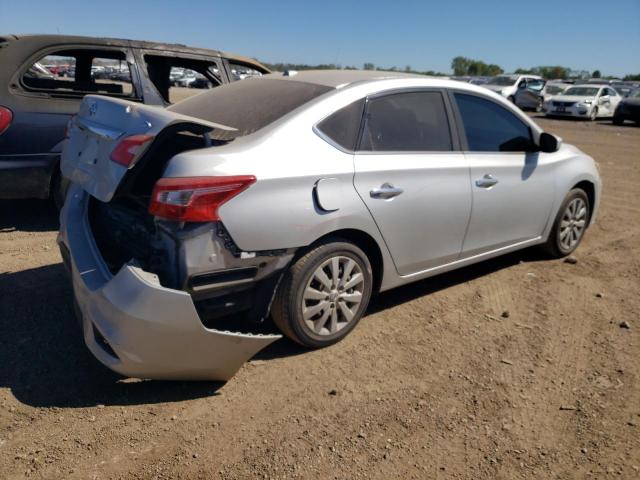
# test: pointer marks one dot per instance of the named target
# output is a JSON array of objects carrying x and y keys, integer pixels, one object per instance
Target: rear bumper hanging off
[{"x": 137, "y": 327}]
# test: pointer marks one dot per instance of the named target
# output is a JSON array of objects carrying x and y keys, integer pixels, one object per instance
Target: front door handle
[
  {"x": 386, "y": 191},
  {"x": 487, "y": 181}
]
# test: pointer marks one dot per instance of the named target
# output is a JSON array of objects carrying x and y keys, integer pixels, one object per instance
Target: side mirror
[
  {"x": 605, "y": 99},
  {"x": 522, "y": 85},
  {"x": 548, "y": 143}
]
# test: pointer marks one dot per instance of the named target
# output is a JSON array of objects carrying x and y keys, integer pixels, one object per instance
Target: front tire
[
  {"x": 570, "y": 224},
  {"x": 324, "y": 294},
  {"x": 594, "y": 114}
]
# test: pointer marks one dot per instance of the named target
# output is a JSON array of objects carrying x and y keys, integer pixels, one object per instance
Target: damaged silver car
[{"x": 296, "y": 196}]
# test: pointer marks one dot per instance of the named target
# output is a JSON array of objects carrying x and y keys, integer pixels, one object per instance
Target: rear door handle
[
  {"x": 386, "y": 191},
  {"x": 487, "y": 181}
]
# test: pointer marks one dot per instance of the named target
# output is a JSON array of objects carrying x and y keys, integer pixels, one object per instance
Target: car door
[
  {"x": 512, "y": 189},
  {"x": 413, "y": 178},
  {"x": 612, "y": 100}
]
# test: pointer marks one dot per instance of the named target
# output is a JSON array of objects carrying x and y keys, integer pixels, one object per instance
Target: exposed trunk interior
[{"x": 123, "y": 228}]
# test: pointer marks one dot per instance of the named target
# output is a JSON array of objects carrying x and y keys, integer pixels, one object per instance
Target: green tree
[
  {"x": 369, "y": 66},
  {"x": 463, "y": 66},
  {"x": 596, "y": 74}
]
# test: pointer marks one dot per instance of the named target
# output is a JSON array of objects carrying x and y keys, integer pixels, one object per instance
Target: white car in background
[
  {"x": 584, "y": 101},
  {"x": 508, "y": 85}
]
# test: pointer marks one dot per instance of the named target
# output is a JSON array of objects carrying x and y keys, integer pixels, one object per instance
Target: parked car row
[{"x": 590, "y": 99}]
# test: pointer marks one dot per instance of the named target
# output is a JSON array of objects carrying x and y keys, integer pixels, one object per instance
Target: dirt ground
[{"x": 518, "y": 367}]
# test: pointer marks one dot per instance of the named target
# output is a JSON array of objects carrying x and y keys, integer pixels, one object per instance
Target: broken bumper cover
[{"x": 135, "y": 326}]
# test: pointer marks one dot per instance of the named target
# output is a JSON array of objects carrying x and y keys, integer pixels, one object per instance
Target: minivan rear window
[{"x": 249, "y": 105}]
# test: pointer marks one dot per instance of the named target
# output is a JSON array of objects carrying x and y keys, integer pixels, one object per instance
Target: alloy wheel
[
  {"x": 333, "y": 295},
  {"x": 573, "y": 223}
]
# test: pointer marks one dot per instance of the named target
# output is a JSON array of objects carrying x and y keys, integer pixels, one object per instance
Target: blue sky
[{"x": 582, "y": 34}]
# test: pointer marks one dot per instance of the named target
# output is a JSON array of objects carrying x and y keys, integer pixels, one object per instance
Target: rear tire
[
  {"x": 324, "y": 294},
  {"x": 539, "y": 105},
  {"x": 570, "y": 224}
]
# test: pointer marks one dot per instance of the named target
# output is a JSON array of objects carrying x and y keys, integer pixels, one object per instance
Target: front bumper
[
  {"x": 137, "y": 327},
  {"x": 572, "y": 111}
]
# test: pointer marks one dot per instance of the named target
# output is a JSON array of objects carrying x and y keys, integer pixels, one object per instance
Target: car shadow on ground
[
  {"x": 398, "y": 296},
  {"x": 44, "y": 361},
  {"x": 28, "y": 216}
]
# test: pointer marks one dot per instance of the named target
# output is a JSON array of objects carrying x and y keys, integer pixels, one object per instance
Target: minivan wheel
[
  {"x": 539, "y": 105},
  {"x": 570, "y": 224},
  {"x": 324, "y": 294}
]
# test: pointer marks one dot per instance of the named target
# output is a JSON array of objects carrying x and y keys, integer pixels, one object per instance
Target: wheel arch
[
  {"x": 590, "y": 189},
  {"x": 362, "y": 240}
]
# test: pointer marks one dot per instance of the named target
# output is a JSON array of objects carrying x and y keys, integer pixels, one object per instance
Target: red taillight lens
[
  {"x": 195, "y": 199},
  {"x": 130, "y": 148},
  {"x": 5, "y": 119}
]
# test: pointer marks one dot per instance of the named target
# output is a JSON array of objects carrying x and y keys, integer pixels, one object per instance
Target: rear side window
[
  {"x": 490, "y": 127},
  {"x": 343, "y": 126},
  {"x": 412, "y": 121},
  {"x": 77, "y": 72}
]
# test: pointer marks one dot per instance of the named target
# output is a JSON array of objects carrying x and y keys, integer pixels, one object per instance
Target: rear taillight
[
  {"x": 195, "y": 199},
  {"x": 5, "y": 119},
  {"x": 130, "y": 149}
]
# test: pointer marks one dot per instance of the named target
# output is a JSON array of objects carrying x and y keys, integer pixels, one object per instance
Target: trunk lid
[{"x": 99, "y": 127}]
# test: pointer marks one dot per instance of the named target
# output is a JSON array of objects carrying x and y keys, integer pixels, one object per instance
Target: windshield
[
  {"x": 502, "y": 81},
  {"x": 554, "y": 89},
  {"x": 582, "y": 91},
  {"x": 249, "y": 105}
]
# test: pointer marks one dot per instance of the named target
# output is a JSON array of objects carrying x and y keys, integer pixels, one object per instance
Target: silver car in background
[
  {"x": 297, "y": 197},
  {"x": 588, "y": 101}
]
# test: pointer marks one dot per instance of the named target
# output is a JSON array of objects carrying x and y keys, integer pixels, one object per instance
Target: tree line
[{"x": 461, "y": 66}]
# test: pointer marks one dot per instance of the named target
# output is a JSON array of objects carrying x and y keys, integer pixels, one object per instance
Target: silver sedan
[{"x": 296, "y": 196}]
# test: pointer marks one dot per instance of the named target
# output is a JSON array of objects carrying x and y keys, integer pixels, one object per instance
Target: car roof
[
  {"x": 52, "y": 40},
  {"x": 593, "y": 85},
  {"x": 340, "y": 78}
]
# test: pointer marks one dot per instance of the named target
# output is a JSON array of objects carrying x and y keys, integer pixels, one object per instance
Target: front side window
[
  {"x": 343, "y": 126},
  {"x": 412, "y": 121},
  {"x": 490, "y": 127},
  {"x": 535, "y": 85},
  {"x": 76, "y": 72}
]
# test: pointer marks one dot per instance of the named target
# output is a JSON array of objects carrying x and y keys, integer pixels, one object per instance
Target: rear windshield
[{"x": 249, "y": 105}]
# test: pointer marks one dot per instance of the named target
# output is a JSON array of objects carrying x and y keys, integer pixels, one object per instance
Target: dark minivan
[{"x": 43, "y": 79}]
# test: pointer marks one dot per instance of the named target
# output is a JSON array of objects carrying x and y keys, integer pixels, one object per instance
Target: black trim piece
[{"x": 211, "y": 279}]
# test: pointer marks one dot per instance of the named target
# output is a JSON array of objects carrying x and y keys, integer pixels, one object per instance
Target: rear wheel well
[
  {"x": 362, "y": 240},
  {"x": 590, "y": 189}
]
